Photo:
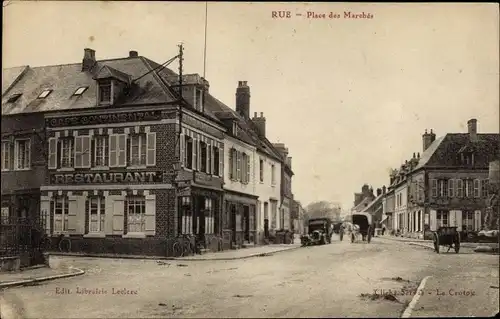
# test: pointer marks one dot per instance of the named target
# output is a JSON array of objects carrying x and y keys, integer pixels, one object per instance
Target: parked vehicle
[
  {"x": 320, "y": 232},
  {"x": 363, "y": 227},
  {"x": 447, "y": 236}
]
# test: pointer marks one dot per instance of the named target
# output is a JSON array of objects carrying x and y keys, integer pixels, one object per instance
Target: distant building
[
  {"x": 493, "y": 200},
  {"x": 363, "y": 199}
]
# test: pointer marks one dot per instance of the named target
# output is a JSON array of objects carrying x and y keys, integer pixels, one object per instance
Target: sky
[{"x": 350, "y": 98}]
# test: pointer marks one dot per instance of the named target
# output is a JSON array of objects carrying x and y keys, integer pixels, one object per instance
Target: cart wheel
[
  {"x": 436, "y": 243},
  {"x": 457, "y": 242},
  {"x": 369, "y": 236}
]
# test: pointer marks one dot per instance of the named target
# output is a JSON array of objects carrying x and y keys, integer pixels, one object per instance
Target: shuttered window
[
  {"x": 136, "y": 213},
  {"x": 151, "y": 149},
  {"x": 82, "y": 151},
  {"x": 434, "y": 188},
  {"x": 477, "y": 188},
  {"x": 60, "y": 206}
]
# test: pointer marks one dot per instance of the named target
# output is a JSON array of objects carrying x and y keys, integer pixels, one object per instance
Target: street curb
[
  {"x": 463, "y": 244},
  {"x": 78, "y": 272},
  {"x": 414, "y": 300},
  {"x": 238, "y": 258},
  {"x": 168, "y": 258}
]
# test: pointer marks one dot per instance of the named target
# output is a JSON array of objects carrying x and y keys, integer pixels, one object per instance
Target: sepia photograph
[{"x": 206, "y": 159}]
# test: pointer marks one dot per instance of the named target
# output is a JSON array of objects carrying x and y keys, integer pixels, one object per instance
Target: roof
[
  {"x": 64, "y": 80},
  {"x": 10, "y": 75},
  {"x": 364, "y": 203},
  {"x": 377, "y": 200}
]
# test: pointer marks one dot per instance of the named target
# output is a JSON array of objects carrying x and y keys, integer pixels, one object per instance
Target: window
[
  {"x": 467, "y": 221},
  {"x": 261, "y": 170},
  {"x": 245, "y": 168},
  {"x": 443, "y": 188},
  {"x": 52, "y": 153},
  {"x": 22, "y": 154},
  {"x": 96, "y": 208},
  {"x": 477, "y": 188},
  {"x": 14, "y": 98},
  {"x": 434, "y": 188},
  {"x": 209, "y": 216},
  {"x": 217, "y": 161},
  {"x": 469, "y": 188},
  {"x": 136, "y": 211},
  {"x": 67, "y": 155},
  {"x": 186, "y": 218},
  {"x": 117, "y": 150},
  {"x": 80, "y": 91},
  {"x": 82, "y": 151},
  {"x": 188, "y": 160},
  {"x": 210, "y": 161},
  {"x": 199, "y": 100},
  {"x": 238, "y": 165},
  {"x": 484, "y": 188},
  {"x": 44, "y": 94},
  {"x": 460, "y": 188},
  {"x": 442, "y": 218},
  {"x": 138, "y": 150},
  {"x": 451, "y": 188},
  {"x": 101, "y": 151},
  {"x": 196, "y": 146},
  {"x": 60, "y": 209},
  {"x": 273, "y": 175},
  {"x": 420, "y": 191},
  {"x": 203, "y": 157},
  {"x": 5, "y": 155},
  {"x": 233, "y": 164},
  {"x": 105, "y": 92}
]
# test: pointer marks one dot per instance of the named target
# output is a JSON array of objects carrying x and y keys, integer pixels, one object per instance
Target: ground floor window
[
  {"x": 60, "y": 209},
  {"x": 185, "y": 216},
  {"x": 136, "y": 213},
  {"x": 96, "y": 207},
  {"x": 4, "y": 215},
  {"x": 442, "y": 218},
  {"x": 209, "y": 216},
  {"x": 468, "y": 221}
]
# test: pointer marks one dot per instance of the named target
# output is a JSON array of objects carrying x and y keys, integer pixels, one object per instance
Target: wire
[{"x": 165, "y": 64}]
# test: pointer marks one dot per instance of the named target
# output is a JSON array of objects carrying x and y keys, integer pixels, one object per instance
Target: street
[{"x": 336, "y": 280}]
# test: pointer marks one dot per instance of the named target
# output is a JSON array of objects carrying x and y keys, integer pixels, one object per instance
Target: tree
[{"x": 322, "y": 209}]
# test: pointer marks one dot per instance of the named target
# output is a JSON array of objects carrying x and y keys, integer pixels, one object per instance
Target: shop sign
[
  {"x": 206, "y": 180},
  {"x": 111, "y": 118},
  {"x": 106, "y": 177}
]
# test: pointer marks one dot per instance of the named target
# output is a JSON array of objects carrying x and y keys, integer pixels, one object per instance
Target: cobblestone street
[{"x": 316, "y": 281}]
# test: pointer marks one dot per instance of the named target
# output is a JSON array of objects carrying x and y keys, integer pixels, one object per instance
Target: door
[
  {"x": 246, "y": 226},
  {"x": 266, "y": 228},
  {"x": 233, "y": 222}
]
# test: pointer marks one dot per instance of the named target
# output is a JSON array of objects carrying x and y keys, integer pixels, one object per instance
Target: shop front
[{"x": 239, "y": 221}]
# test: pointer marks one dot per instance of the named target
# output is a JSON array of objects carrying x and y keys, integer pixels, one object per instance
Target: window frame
[
  {"x": 142, "y": 148},
  {"x": 70, "y": 149},
  {"x": 136, "y": 201},
  {"x": 64, "y": 213},
  {"x": 104, "y": 149},
  {"x": 105, "y": 84},
  {"x": 465, "y": 221},
  {"x": 82, "y": 88},
  {"x": 45, "y": 93},
  {"x": 101, "y": 214},
  {"x": 27, "y": 158},
  {"x": 6, "y": 155}
]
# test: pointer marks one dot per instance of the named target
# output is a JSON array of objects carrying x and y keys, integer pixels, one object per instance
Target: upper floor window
[
  {"x": 199, "y": 100},
  {"x": 80, "y": 91},
  {"x": 22, "y": 154},
  {"x": 105, "y": 92},
  {"x": 218, "y": 160},
  {"x": 261, "y": 169},
  {"x": 273, "y": 174},
  {"x": 245, "y": 168},
  {"x": 138, "y": 150},
  {"x": 5, "y": 155},
  {"x": 233, "y": 164},
  {"x": 14, "y": 98},
  {"x": 67, "y": 152},
  {"x": 82, "y": 151},
  {"x": 188, "y": 155},
  {"x": 101, "y": 151},
  {"x": 203, "y": 157}
]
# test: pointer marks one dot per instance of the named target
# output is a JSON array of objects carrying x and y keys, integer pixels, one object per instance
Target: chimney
[
  {"x": 379, "y": 192},
  {"x": 88, "y": 60},
  {"x": 133, "y": 54},
  {"x": 243, "y": 99},
  {"x": 472, "y": 126},
  {"x": 384, "y": 189},
  {"x": 289, "y": 162},
  {"x": 427, "y": 139},
  {"x": 260, "y": 122}
]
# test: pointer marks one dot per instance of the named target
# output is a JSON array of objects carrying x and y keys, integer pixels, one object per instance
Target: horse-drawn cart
[
  {"x": 363, "y": 227},
  {"x": 447, "y": 236}
]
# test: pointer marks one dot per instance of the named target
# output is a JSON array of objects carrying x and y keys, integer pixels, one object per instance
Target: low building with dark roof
[
  {"x": 447, "y": 185},
  {"x": 127, "y": 163}
]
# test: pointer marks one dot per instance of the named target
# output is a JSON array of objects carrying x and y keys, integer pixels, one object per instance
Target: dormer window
[
  {"x": 80, "y": 91},
  {"x": 199, "y": 100},
  {"x": 14, "y": 98},
  {"x": 105, "y": 92},
  {"x": 235, "y": 128},
  {"x": 467, "y": 158},
  {"x": 44, "y": 94}
]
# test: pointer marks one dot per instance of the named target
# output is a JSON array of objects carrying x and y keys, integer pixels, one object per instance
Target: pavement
[
  {"x": 425, "y": 241},
  {"x": 335, "y": 280},
  {"x": 35, "y": 275}
]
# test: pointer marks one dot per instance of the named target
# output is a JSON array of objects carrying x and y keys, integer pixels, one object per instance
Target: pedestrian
[{"x": 383, "y": 229}]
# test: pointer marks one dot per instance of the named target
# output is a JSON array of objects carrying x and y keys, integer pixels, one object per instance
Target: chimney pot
[
  {"x": 414, "y": 155},
  {"x": 472, "y": 129},
  {"x": 243, "y": 99},
  {"x": 133, "y": 54},
  {"x": 254, "y": 114},
  {"x": 88, "y": 59},
  {"x": 261, "y": 114}
]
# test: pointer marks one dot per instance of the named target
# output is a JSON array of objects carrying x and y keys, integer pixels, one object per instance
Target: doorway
[
  {"x": 246, "y": 224},
  {"x": 233, "y": 222}
]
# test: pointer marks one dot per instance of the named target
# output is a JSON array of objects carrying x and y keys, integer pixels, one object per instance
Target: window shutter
[
  {"x": 477, "y": 188},
  {"x": 484, "y": 188},
  {"x": 72, "y": 213},
  {"x": 113, "y": 150},
  {"x": 182, "y": 152},
  {"x": 209, "y": 158},
  {"x": 16, "y": 157},
  {"x": 52, "y": 153},
  {"x": 118, "y": 215},
  {"x": 452, "y": 216},
  {"x": 451, "y": 188},
  {"x": 238, "y": 165},
  {"x": 151, "y": 149},
  {"x": 87, "y": 215},
  {"x": 221, "y": 161},
  {"x": 122, "y": 150},
  {"x": 51, "y": 215},
  {"x": 433, "y": 220},
  {"x": 195, "y": 154},
  {"x": 86, "y": 151},
  {"x": 248, "y": 168},
  {"x": 93, "y": 147},
  {"x": 458, "y": 219},
  {"x": 150, "y": 215},
  {"x": 460, "y": 189},
  {"x": 477, "y": 220},
  {"x": 433, "y": 187}
]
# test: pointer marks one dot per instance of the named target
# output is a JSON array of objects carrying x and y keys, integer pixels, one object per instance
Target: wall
[
  {"x": 401, "y": 205},
  {"x": 233, "y": 185}
]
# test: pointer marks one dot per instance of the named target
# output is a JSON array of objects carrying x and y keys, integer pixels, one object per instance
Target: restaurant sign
[
  {"x": 106, "y": 177},
  {"x": 206, "y": 180},
  {"x": 110, "y": 118}
]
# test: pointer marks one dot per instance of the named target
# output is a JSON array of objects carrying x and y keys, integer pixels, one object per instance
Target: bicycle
[{"x": 60, "y": 245}]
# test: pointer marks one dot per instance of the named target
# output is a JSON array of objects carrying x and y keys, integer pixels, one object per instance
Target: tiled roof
[
  {"x": 378, "y": 199},
  {"x": 64, "y": 80},
  {"x": 364, "y": 203},
  {"x": 446, "y": 151},
  {"x": 10, "y": 75}
]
